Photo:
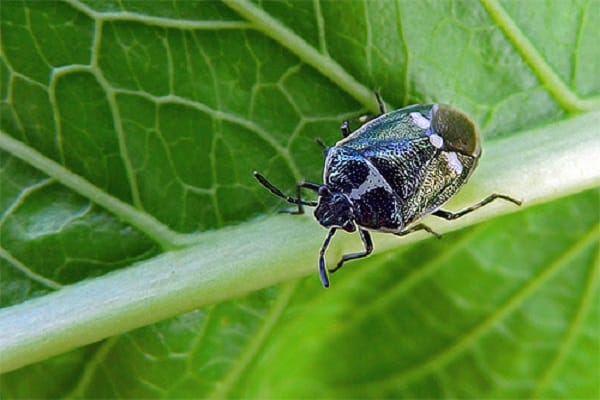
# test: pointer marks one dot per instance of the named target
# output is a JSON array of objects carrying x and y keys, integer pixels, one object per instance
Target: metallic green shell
[{"x": 426, "y": 153}]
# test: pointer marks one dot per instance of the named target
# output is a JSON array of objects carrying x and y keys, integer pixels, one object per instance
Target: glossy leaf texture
[{"x": 165, "y": 109}]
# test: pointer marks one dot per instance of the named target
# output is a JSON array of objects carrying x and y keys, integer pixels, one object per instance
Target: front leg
[
  {"x": 365, "y": 236},
  {"x": 322, "y": 269}
]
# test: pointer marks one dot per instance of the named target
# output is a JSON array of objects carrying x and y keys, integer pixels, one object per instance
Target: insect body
[{"x": 391, "y": 172}]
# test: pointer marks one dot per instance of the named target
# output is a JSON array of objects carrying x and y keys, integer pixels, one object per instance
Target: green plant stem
[{"x": 535, "y": 166}]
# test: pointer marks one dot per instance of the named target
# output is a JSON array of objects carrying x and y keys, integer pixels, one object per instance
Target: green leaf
[{"x": 129, "y": 134}]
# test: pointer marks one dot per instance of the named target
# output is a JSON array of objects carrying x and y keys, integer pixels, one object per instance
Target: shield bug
[{"x": 390, "y": 172}]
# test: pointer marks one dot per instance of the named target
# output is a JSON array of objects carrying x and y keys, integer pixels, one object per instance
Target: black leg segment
[
  {"x": 345, "y": 127},
  {"x": 363, "y": 119},
  {"x": 368, "y": 243},
  {"x": 418, "y": 227},
  {"x": 299, "y": 186},
  {"x": 321, "y": 144},
  {"x": 380, "y": 103},
  {"x": 322, "y": 269},
  {"x": 450, "y": 215},
  {"x": 298, "y": 200}
]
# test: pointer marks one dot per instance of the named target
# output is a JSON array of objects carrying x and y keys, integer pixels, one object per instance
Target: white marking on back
[
  {"x": 420, "y": 120},
  {"x": 436, "y": 140},
  {"x": 454, "y": 162},
  {"x": 372, "y": 181}
]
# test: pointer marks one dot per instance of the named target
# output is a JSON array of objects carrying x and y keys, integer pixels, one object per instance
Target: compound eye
[{"x": 457, "y": 130}]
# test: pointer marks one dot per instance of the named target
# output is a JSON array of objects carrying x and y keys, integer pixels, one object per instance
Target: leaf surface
[{"x": 129, "y": 134}]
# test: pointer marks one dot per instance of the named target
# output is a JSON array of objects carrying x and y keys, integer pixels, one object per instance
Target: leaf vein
[
  {"x": 163, "y": 22},
  {"x": 159, "y": 232},
  {"x": 255, "y": 343},
  {"x": 573, "y": 330},
  {"x": 562, "y": 94},
  {"x": 451, "y": 352},
  {"x": 91, "y": 367},
  {"x": 415, "y": 277},
  {"x": 297, "y": 45},
  {"x": 27, "y": 271}
]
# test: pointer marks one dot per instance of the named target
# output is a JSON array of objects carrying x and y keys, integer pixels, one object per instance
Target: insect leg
[
  {"x": 366, "y": 239},
  {"x": 418, "y": 227},
  {"x": 322, "y": 269},
  {"x": 363, "y": 119},
  {"x": 450, "y": 215},
  {"x": 322, "y": 144},
  {"x": 298, "y": 200},
  {"x": 380, "y": 103},
  {"x": 299, "y": 186},
  {"x": 345, "y": 127}
]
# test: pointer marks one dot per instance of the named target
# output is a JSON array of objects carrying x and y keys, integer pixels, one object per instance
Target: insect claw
[
  {"x": 514, "y": 201},
  {"x": 324, "y": 278}
]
